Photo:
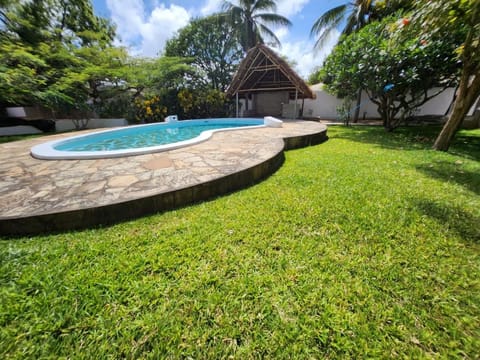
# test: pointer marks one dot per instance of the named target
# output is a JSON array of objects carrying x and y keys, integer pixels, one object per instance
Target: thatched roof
[{"x": 263, "y": 70}]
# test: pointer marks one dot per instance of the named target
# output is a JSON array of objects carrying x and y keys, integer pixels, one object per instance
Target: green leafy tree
[
  {"x": 161, "y": 78},
  {"x": 68, "y": 21},
  {"x": 213, "y": 48},
  {"x": 19, "y": 68},
  {"x": 354, "y": 15},
  {"x": 385, "y": 8},
  {"x": 140, "y": 80},
  {"x": 88, "y": 84},
  {"x": 147, "y": 76},
  {"x": 198, "y": 103},
  {"x": 251, "y": 20},
  {"x": 58, "y": 54},
  {"x": 439, "y": 18},
  {"x": 397, "y": 76},
  {"x": 54, "y": 50}
]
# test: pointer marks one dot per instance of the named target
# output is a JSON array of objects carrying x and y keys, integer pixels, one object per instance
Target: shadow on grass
[
  {"x": 451, "y": 171},
  {"x": 404, "y": 138},
  {"x": 466, "y": 143},
  {"x": 453, "y": 219}
]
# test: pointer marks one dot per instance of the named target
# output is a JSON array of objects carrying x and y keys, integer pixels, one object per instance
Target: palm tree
[
  {"x": 356, "y": 14},
  {"x": 251, "y": 18}
]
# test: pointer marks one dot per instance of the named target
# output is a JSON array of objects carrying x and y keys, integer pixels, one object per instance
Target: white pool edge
[{"x": 46, "y": 151}]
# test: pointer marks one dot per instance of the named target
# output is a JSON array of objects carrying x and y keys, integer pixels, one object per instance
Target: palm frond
[
  {"x": 334, "y": 15},
  {"x": 226, "y": 6},
  {"x": 233, "y": 14},
  {"x": 273, "y": 19},
  {"x": 270, "y": 35},
  {"x": 326, "y": 24},
  {"x": 250, "y": 18},
  {"x": 356, "y": 14},
  {"x": 262, "y": 5},
  {"x": 358, "y": 18},
  {"x": 353, "y": 23}
]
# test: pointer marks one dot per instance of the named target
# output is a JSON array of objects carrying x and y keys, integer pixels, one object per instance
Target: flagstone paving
[{"x": 55, "y": 195}]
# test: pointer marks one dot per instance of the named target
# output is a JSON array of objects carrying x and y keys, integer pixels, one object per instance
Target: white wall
[
  {"x": 19, "y": 130},
  {"x": 62, "y": 125},
  {"x": 438, "y": 105},
  {"x": 325, "y": 105},
  {"x": 67, "y": 124}
]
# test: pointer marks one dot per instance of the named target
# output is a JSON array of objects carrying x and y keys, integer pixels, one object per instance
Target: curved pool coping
[
  {"x": 47, "y": 151},
  {"x": 237, "y": 160}
]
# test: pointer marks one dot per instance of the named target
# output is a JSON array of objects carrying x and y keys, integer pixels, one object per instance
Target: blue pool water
[
  {"x": 150, "y": 135},
  {"x": 142, "y": 139}
]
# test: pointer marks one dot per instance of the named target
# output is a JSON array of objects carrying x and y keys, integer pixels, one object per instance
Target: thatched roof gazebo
[{"x": 267, "y": 83}]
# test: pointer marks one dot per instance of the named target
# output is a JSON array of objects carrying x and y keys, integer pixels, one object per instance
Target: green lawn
[{"x": 367, "y": 246}]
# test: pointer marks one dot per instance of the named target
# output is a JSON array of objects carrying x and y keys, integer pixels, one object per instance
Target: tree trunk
[
  {"x": 467, "y": 96},
  {"x": 389, "y": 114},
  {"x": 357, "y": 108}
]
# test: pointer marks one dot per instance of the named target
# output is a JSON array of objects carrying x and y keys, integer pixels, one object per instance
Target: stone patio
[{"x": 40, "y": 196}]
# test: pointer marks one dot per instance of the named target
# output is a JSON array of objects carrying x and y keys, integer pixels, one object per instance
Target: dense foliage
[
  {"x": 55, "y": 53},
  {"x": 204, "y": 103},
  {"x": 212, "y": 46},
  {"x": 397, "y": 76}
]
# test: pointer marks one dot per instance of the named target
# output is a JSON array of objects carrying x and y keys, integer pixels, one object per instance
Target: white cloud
[
  {"x": 146, "y": 33},
  {"x": 282, "y": 33},
  {"x": 160, "y": 26},
  {"x": 127, "y": 15},
  {"x": 289, "y": 8},
  {"x": 302, "y": 53},
  {"x": 211, "y": 6}
]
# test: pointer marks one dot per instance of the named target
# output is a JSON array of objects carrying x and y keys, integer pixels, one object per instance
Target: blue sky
[{"x": 145, "y": 25}]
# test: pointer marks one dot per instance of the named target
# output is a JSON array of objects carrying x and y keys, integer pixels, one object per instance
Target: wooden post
[
  {"x": 236, "y": 96},
  {"x": 295, "y": 107}
]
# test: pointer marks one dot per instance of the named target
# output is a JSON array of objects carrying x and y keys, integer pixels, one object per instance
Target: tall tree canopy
[
  {"x": 252, "y": 20},
  {"x": 68, "y": 21},
  {"x": 213, "y": 48},
  {"x": 54, "y": 52}
]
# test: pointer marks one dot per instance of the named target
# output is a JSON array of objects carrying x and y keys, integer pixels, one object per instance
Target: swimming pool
[{"x": 140, "y": 139}]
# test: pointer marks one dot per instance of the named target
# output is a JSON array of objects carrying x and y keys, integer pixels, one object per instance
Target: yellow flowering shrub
[{"x": 150, "y": 110}]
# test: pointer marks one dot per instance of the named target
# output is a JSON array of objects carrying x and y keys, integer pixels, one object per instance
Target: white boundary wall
[
  {"x": 62, "y": 125},
  {"x": 67, "y": 124},
  {"x": 325, "y": 105},
  {"x": 19, "y": 130}
]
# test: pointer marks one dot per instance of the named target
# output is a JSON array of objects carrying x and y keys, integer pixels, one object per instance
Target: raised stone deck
[{"x": 39, "y": 196}]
